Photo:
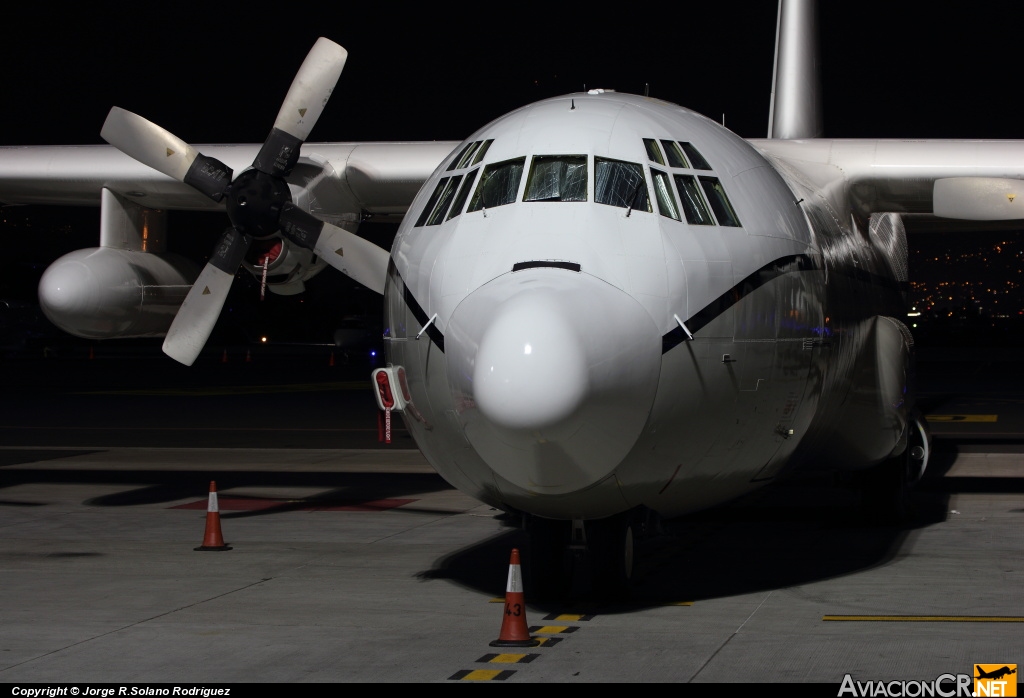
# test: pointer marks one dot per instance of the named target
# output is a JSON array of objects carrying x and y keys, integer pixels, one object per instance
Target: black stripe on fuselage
[
  {"x": 417, "y": 310},
  {"x": 784, "y": 265},
  {"x": 779, "y": 267}
]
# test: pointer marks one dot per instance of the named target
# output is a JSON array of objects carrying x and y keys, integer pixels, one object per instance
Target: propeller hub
[{"x": 254, "y": 203}]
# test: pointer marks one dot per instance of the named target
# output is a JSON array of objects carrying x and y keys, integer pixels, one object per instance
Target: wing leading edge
[
  {"x": 951, "y": 180},
  {"x": 378, "y": 178}
]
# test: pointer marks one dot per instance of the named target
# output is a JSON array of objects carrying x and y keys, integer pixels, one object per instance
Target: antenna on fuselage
[
  {"x": 572, "y": 104},
  {"x": 647, "y": 89}
]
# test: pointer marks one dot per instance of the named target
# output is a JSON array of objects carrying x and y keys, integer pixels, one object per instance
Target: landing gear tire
[{"x": 610, "y": 546}]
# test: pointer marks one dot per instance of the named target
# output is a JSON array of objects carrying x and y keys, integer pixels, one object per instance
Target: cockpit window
[
  {"x": 455, "y": 162},
  {"x": 460, "y": 200},
  {"x": 719, "y": 202},
  {"x": 620, "y": 184},
  {"x": 464, "y": 160},
  {"x": 482, "y": 151},
  {"x": 432, "y": 202},
  {"x": 653, "y": 151},
  {"x": 699, "y": 163},
  {"x": 694, "y": 208},
  {"x": 557, "y": 178},
  {"x": 499, "y": 184},
  {"x": 675, "y": 154},
  {"x": 437, "y": 215},
  {"x": 663, "y": 194}
]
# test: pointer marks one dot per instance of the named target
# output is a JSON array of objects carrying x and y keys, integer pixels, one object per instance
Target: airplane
[
  {"x": 995, "y": 673},
  {"x": 601, "y": 310}
]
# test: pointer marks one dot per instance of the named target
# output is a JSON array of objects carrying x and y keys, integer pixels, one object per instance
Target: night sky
[{"x": 217, "y": 72}]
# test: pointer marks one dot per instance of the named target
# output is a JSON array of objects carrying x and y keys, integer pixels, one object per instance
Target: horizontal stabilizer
[{"x": 979, "y": 198}]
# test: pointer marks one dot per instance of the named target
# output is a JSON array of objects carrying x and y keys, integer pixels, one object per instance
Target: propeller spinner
[{"x": 258, "y": 201}]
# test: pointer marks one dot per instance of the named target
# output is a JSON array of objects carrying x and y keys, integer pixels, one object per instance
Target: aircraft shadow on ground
[
  {"x": 796, "y": 533},
  {"x": 167, "y": 486}
]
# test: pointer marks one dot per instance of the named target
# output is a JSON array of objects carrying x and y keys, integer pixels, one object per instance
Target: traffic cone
[
  {"x": 514, "y": 630},
  {"x": 331, "y": 362},
  {"x": 213, "y": 540},
  {"x": 224, "y": 357},
  {"x": 248, "y": 356},
  {"x": 92, "y": 354}
]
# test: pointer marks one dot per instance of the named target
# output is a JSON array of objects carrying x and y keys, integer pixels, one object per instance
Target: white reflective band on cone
[
  {"x": 515, "y": 580},
  {"x": 212, "y": 506}
]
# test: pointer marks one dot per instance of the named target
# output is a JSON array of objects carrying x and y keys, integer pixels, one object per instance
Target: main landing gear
[{"x": 888, "y": 486}]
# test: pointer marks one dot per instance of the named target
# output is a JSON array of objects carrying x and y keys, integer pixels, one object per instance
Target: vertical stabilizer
[{"x": 795, "y": 110}]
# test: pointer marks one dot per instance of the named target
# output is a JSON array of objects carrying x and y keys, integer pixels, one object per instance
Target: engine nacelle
[
  {"x": 288, "y": 265},
  {"x": 106, "y": 293}
]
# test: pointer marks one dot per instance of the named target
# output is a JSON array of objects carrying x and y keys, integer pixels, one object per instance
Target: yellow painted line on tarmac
[
  {"x": 547, "y": 641},
  {"x": 931, "y": 619},
  {"x": 569, "y": 617},
  {"x": 507, "y": 658},
  {"x": 481, "y": 675},
  {"x": 553, "y": 629},
  {"x": 960, "y": 418}
]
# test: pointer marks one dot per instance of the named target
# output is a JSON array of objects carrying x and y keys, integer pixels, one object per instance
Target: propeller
[{"x": 257, "y": 201}]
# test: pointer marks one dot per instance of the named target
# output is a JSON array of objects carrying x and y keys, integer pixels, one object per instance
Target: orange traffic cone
[
  {"x": 331, "y": 362},
  {"x": 514, "y": 631},
  {"x": 213, "y": 540},
  {"x": 224, "y": 357},
  {"x": 92, "y": 354},
  {"x": 248, "y": 356}
]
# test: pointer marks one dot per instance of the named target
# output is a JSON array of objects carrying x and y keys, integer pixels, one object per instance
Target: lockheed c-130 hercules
[{"x": 600, "y": 309}]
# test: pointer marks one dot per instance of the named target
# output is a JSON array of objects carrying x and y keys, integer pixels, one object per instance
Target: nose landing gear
[{"x": 590, "y": 559}]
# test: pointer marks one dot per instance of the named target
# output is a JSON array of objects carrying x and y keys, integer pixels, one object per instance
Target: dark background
[{"x": 216, "y": 72}]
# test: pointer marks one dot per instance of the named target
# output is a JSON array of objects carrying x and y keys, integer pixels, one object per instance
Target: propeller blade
[
  {"x": 353, "y": 256},
  {"x": 152, "y": 145},
  {"x": 311, "y": 88},
  {"x": 199, "y": 313},
  {"x": 302, "y": 107}
]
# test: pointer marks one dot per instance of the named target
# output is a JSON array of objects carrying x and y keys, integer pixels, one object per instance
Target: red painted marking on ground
[{"x": 257, "y": 504}]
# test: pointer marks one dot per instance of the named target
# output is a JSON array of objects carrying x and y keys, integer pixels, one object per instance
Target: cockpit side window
[
  {"x": 621, "y": 184},
  {"x": 482, "y": 151},
  {"x": 464, "y": 160},
  {"x": 557, "y": 178},
  {"x": 432, "y": 202},
  {"x": 454, "y": 164},
  {"x": 720, "y": 204},
  {"x": 437, "y": 215},
  {"x": 699, "y": 163},
  {"x": 499, "y": 184},
  {"x": 460, "y": 200},
  {"x": 663, "y": 193},
  {"x": 694, "y": 208},
  {"x": 653, "y": 151},
  {"x": 675, "y": 154}
]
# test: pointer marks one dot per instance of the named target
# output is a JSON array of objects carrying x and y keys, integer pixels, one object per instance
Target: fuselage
[{"x": 603, "y": 301}]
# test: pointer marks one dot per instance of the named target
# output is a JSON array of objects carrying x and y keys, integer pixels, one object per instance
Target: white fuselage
[{"x": 591, "y": 352}]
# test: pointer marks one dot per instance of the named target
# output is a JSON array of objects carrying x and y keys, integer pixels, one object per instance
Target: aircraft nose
[
  {"x": 554, "y": 373},
  {"x": 528, "y": 374}
]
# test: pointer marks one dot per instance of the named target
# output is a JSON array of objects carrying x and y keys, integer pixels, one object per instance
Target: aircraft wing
[
  {"x": 954, "y": 180},
  {"x": 377, "y": 178}
]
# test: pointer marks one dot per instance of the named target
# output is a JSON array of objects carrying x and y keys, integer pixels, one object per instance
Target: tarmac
[{"x": 351, "y": 561}]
